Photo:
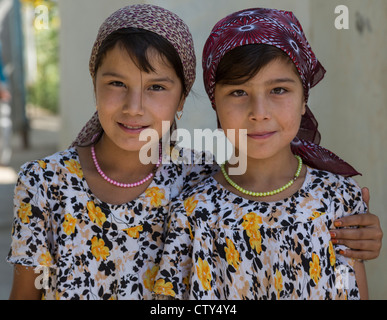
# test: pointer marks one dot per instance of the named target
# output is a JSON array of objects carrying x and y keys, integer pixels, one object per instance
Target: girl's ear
[
  {"x": 303, "y": 110},
  {"x": 181, "y": 103}
]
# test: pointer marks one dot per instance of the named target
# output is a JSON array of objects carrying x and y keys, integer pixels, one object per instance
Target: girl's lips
[
  {"x": 134, "y": 129},
  {"x": 261, "y": 135}
]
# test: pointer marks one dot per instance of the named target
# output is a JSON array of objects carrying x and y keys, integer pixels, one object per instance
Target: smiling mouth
[
  {"x": 261, "y": 135},
  {"x": 132, "y": 129}
]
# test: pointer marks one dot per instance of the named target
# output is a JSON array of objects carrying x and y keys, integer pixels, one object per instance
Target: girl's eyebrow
[
  {"x": 117, "y": 75},
  {"x": 162, "y": 79},
  {"x": 279, "y": 80},
  {"x": 112, "y": 74},
  {"x": 270, "y": 82}
]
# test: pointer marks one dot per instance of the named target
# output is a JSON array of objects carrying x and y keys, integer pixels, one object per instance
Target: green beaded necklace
[{"x": 263, "y": 194}]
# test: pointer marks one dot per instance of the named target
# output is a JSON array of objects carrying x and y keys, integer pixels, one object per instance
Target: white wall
[{"x": 350, "y": 103}]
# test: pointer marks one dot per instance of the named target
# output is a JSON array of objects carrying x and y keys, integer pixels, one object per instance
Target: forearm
[{"x": 361, "y": 279}]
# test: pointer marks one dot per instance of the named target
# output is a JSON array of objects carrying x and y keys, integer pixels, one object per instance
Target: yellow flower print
[
  {"x": 314, "y": 268},
  {"x": 69, "y": 224},
  {"x": 98, "y": 249},
  {"x": 232, "y": 255},
  {"x": 149, "y": 277},
  {"x": 332, "y": 255},
  {"x": 25, "y": 212},
  {"x": 164, "y": 288},
  {"x": 191, "y": 236},
  {"x": 251, "y": 222},
  {"x": 134, "y": 232},
  {"x": 36, "y": 3},
  {"x": 204, "y": 274},
  {"x": 95, "y": 214},
  {"x": 42, "y": 164},
  {"x": 74, "y": 167},
  {"x": 190, "y": 205},
  {"x": 255, "y": 240},
  {"x": 186, "y": 281},
  {"x": 45, "y": 259},
  {"x": 156, "y": 194},
  {"x": 315, "y": 215},
  {"x": 278, "y": 282}
]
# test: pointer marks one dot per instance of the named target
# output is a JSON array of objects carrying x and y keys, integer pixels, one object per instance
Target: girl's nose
[
  {"x": 259, "y": 108},
  {"x": 133, "y": 102}
]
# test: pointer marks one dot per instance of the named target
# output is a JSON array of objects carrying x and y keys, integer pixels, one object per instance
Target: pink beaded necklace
[{"x": 119, "y": 184}]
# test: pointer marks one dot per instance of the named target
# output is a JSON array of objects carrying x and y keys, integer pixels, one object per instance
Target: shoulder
[
  {"x": 335, "y": 181},
  {"x": 187, "y": 167},
  {"x": 46, "y": 168},
  {"x": 341, "y": 190}
]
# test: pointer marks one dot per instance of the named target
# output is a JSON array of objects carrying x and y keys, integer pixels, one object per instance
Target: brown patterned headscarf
[{"x": 151, "y": 18}]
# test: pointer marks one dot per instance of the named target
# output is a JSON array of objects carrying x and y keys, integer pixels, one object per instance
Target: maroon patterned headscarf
[
  {"x": 280, "y": 29},
  {"x": 151, "y": 18}
]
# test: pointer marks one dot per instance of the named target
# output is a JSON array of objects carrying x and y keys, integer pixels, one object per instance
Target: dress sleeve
[
  {"x": 31, "y": 224},
  {"x": 349, "y": 202},
  {"x": 173, "y": 276},
  {"x": 351, "y": 199}
]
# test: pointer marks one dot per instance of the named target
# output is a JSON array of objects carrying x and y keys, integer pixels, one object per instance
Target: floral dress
[
  {"x": 92, "y": 249},
  {"x": 222, "y": 246}
]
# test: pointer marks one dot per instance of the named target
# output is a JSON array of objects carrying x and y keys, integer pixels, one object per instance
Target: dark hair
[
  {"x": 136, "y": 42},
  {"x": 243, "y": 63}
]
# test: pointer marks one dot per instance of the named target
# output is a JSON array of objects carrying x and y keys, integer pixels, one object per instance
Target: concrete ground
[{"x": 43, "y": 142}]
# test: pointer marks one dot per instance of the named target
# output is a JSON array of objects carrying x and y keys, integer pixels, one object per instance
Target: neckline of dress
[{"x": 228, "y": 192}]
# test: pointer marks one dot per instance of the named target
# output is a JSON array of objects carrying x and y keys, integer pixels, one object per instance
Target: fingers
[
  {"x": 362, "y": 220},
  {"x": 369, "y": 233},
  {"x": 364, "y": 241},
  {"x": 359, "y": 255},
  {"x": 364, "y": 245},
  {"x": 365, "y": 192}
]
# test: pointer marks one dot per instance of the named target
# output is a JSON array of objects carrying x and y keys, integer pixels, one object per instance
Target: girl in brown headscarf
[{"x": 91, "y": 218}]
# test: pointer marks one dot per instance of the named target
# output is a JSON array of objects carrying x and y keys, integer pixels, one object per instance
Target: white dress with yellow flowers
[
  {"x": 222, "y": 246},
  {"x": 85, "y": 248}
]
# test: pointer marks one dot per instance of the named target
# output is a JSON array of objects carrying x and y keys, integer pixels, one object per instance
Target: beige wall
[
  {"x": 80, "y": 21},
  {"x": 350, "y": 103}
]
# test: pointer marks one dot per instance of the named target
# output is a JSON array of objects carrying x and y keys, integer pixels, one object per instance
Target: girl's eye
[
  {"x": 279, "y": 91},
  {"x": 239, "y": 93},
  {"x": 156, "y": 87},
  {"x": 117, "y": 84}
]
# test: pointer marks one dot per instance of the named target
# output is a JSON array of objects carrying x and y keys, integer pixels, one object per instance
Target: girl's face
[
  {"x": 130, "y": 100},
  {"x": 269, "y": 105}
]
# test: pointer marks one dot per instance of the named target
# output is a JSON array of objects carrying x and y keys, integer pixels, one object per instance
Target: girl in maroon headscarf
[{"x": 264, "y": 233}]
